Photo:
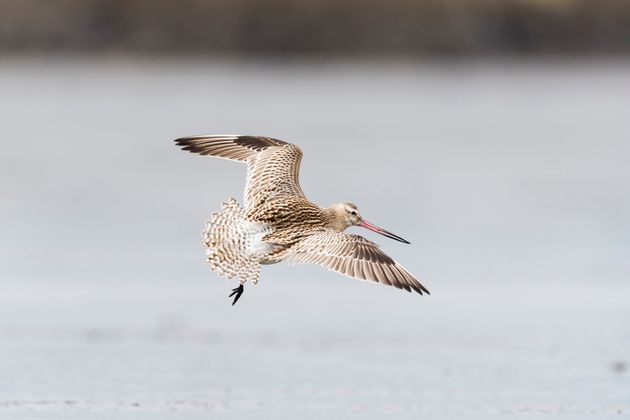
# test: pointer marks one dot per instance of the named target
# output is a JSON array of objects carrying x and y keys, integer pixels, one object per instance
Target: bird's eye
[{"x": 353, "y": 212}]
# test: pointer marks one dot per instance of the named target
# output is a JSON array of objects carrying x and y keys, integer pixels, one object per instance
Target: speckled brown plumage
[{"x": 278, "y": 223}]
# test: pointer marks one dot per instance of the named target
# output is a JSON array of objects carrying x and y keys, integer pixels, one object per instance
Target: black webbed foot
[{"x": 238, "y": 292}]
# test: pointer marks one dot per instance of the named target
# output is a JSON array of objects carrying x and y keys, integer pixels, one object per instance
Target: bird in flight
[{"x": 278, "y": 223}]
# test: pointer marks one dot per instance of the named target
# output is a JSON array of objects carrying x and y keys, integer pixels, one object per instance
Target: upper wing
[
  {"x": 273, "y": 166},
  {"x": 353, "y": 256}
]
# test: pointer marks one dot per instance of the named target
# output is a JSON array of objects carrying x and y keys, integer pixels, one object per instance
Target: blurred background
[
  {"x": 318, "y": 27},
  {"x": 494, "y": 135}
]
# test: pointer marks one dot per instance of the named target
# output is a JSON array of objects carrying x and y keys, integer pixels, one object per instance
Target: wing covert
[{"x": 273, "y": 166}]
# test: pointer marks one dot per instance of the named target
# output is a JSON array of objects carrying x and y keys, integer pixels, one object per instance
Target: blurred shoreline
[
  {"x": 319, "y": 28},
  {"x": 549, "y": 62}
]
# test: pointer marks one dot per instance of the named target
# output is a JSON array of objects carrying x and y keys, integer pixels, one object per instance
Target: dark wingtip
[
  {"x": 182, "y": 141},
  {"x": 420, "y": 289},
  {"x": 187, "y": 144}
]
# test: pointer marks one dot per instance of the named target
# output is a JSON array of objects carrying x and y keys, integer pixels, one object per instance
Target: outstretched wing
[
  {"x": 353, "y": 256},
  {"x": 273, "y": 166}
]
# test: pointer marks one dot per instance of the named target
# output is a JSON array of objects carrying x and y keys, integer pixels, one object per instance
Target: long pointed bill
[{"x": 383, "y": 232}]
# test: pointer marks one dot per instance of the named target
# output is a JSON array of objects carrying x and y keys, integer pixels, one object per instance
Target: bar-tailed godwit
[{"x": 278, "y": 223}]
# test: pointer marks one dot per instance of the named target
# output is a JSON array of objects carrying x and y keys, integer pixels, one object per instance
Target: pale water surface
[{"x": 511, "y": 180}]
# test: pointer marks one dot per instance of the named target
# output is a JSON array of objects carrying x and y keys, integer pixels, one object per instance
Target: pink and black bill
[{"x": 383, "y": 232}]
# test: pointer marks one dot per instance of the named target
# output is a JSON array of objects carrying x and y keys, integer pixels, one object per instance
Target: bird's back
[{"x": 292, "y": 218}]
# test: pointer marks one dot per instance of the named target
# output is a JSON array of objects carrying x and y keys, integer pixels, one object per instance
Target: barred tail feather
[{"x": 227, "y": 240}]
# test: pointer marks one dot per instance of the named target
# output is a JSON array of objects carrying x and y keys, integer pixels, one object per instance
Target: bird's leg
[{"x": 238, "y": 292}]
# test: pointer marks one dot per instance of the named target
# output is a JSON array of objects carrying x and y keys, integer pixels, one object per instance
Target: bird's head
[{"x": 347, "y": 214}]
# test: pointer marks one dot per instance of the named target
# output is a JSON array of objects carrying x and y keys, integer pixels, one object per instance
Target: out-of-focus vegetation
[{"x": 398, "y": 27}]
